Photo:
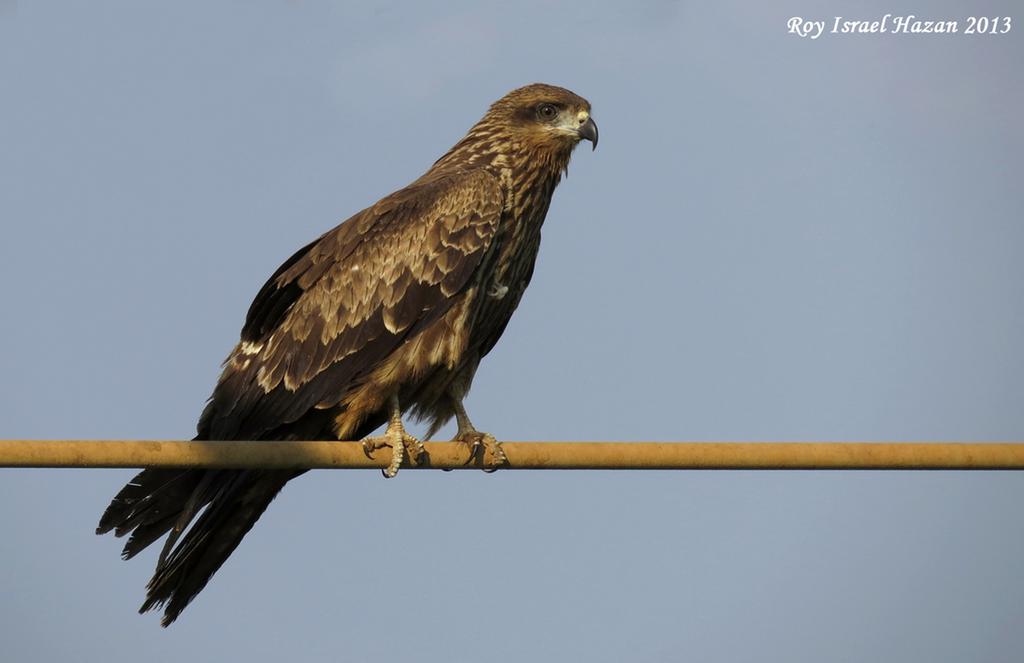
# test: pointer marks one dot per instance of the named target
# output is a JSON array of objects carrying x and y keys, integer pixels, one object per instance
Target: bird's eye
[{"x": 547, "y": 111}]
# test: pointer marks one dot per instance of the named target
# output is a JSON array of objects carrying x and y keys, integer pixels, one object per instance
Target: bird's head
[{"x": 546, "y": 115}]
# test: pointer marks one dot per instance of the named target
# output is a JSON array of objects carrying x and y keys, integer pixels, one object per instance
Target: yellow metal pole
[{"x": 523, "y": 455}]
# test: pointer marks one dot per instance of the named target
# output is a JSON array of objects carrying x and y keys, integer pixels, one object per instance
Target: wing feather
[{"x": 343, "y": 303}]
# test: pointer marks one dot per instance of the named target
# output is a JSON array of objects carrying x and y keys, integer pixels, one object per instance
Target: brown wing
[{"x": 341, "y": 304}]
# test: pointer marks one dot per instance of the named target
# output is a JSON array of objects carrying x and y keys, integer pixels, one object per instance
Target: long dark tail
[
  {"x": 165, "y": 501},
  {"x": 224, "y": 504}
]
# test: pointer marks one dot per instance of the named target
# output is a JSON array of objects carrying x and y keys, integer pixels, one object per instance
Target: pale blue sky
[{"x": 777, "y": 239}]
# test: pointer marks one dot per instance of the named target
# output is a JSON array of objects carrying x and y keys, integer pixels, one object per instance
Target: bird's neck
[
  {"x": 497, "y": 150},
  {"x": 531, "y": 175}
]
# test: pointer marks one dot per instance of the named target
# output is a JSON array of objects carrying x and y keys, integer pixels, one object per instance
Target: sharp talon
[
  {"x": 418, "y": 454},
  {"x": 401, "y": 445},
  {"x": 371, "y": 444},
  {"x": 479, "y": 445}
]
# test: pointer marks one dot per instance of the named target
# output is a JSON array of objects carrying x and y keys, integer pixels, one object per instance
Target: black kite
[{"x": 389, "y": 312}]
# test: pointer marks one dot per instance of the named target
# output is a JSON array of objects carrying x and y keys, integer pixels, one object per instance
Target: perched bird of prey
[{"x": 388, "y": 313}]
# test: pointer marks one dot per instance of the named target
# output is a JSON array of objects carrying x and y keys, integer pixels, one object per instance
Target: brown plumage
[{"x": 390, "y": 311}]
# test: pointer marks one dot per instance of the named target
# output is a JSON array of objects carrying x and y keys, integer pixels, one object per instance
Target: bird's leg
[
  {"x": 397, "y": 439},
  {"x": 480, "y": 444}
]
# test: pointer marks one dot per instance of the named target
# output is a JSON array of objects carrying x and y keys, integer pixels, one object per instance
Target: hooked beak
[{"x": 588, "y": 130}]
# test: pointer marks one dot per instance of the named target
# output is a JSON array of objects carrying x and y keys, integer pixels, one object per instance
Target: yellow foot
[
  {"x": 482, "y": 445},
  {"x": 400, "y": 443}
]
